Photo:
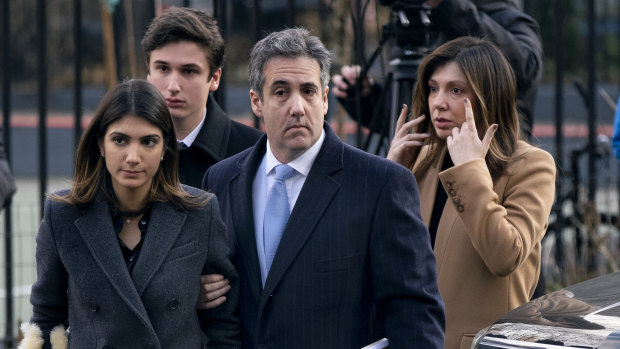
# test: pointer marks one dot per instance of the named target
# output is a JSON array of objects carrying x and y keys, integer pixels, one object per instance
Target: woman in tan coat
[{"x": 485, "y": 193}]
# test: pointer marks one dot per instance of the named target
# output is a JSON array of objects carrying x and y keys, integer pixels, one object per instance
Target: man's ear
[
  {"x": 257, "y": 104},
  {"x": 215, "y": 80},
  {"x": 325, "y": 100}
]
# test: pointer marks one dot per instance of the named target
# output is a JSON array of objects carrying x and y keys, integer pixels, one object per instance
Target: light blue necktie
[{"x": 277, "y": 211}]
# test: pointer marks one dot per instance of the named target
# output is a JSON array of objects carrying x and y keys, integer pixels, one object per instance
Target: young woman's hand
[
  {"x": 464, "y": 144},
  {"x": 404, "y": 141}
]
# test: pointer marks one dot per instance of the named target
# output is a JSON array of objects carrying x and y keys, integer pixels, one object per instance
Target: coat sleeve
[
  {"x": 49, "y": 292},
  {"x": 403, "y": 268},
  {"x": 504, "y": 230},
  {"x": 221, "y": 324}
]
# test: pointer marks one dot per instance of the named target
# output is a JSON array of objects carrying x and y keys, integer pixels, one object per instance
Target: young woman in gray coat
[{"x": 119, "y": 255}]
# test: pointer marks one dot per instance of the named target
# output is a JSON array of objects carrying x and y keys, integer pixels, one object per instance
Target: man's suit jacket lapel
[
  {"x": 164, "y": 227},
  {"x": 242, "y": 209},
  {"x": 314, "y": 198},
  {"x": 97, "y": 230}
]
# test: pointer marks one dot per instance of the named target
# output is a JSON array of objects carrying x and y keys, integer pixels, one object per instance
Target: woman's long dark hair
[
  {"x": 138, "y": 98},
  {"x": 493, "y": 82}
]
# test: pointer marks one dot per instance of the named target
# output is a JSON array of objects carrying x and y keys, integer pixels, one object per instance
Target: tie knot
[{"x": 284, "y": 172}]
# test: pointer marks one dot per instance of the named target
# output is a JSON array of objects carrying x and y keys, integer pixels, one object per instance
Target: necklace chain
[
  {"x": 130, "y": 215},
  {"x": 128, "y": 218}
]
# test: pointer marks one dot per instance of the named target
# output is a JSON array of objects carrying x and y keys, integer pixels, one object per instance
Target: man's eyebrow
[
  {"x": 284, "y": 82},
  {"x": 309, "y": 84},
  {"x": 188, "y": 65},
  {"x": 191, "y": 65}
]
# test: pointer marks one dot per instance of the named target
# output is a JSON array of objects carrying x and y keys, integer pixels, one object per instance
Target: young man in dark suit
[
  {"x": 353, "y": 261},
  {"x": 184, "y": 54}
]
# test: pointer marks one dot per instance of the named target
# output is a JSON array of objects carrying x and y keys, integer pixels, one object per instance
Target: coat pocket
[{"x": 181, "y": 252}]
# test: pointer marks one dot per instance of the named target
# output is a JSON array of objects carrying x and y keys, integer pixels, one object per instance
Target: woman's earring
[
  {"x": 162, "y": 158},
  {"x": 102, "y": 154}
]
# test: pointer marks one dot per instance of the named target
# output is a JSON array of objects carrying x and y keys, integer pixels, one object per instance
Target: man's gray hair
[{"x": 290, "y": 43}]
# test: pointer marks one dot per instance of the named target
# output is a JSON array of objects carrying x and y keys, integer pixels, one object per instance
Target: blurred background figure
[{"x": 615, "y": 140}]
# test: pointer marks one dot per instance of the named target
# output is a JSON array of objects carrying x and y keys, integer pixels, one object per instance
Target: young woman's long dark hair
[
  {"x": 138, "y": 98},
  {"x": 493, "y": 82}
]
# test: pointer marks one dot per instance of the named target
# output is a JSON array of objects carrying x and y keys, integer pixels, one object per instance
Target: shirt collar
[
  {"x": 302, "y": 163},
  {"x": 191, "y": 137}
]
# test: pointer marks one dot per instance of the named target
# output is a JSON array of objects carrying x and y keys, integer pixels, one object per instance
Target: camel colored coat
[{"x": 488, "y": 239}]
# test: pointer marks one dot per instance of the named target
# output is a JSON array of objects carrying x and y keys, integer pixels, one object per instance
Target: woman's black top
[
  {"x": 440, "y": 201},
  {"x": 131, "y": 256}
]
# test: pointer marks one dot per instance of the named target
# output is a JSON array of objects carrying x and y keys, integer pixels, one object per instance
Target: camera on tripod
[
  {"x": 410, "y": 28},
  {"x": 410, "y": 36},
  {"x": 409, "y": 23}
]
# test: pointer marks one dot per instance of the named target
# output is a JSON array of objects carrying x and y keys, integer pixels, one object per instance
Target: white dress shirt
[
  {"x": 265, "y": 176},
  {"x": 191, "y": 137}
]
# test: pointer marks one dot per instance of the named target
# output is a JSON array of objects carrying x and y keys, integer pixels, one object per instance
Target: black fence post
[
  {"x": 6, "y": 134},
  {"x": 77, "y": 85},
  {"x": 359, "y": 49},
  {"x": 290, "y": 13},
  {"x": 591, "y": 59},
  {"x": 220, "y": 13},
  {"x": 42, "y": 62},
  {"x": 255, "y": 27},
  {"x": 559, "y": 132}
]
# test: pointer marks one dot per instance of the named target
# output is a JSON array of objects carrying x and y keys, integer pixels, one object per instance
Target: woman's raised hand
[
  {"x": 464, "y": 144},
  {"x": 404, "y": 141}
]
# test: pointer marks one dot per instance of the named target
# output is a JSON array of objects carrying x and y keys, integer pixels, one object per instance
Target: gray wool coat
[{"x": 83, "y": 282}]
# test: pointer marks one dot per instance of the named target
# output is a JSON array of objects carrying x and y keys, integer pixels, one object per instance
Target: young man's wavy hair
[{"x": 186, "y": 24}]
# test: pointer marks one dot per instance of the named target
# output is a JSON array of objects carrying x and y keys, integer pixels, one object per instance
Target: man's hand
[
  {"x": 213, "y": 287},
  {"x": 348, "y": 77}
]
